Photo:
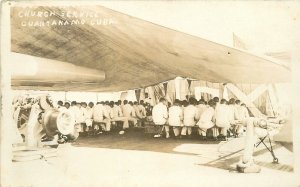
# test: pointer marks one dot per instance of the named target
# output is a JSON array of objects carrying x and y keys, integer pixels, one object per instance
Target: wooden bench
[{"x": 151, "y": 128}]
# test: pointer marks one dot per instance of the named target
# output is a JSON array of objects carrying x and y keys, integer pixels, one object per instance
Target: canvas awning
[{"x": 132, "y": 52}]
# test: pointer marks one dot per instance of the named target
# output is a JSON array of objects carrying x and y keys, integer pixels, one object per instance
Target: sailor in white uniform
[{"x": 176, "y": 117}]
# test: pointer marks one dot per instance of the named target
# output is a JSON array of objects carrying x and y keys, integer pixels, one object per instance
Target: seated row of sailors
[
  {"x": 100, "y": 117},
  {"x": 182, "y": 116}
]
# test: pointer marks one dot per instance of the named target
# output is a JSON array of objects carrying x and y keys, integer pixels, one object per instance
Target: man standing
[{"x": 160, "y": 116}]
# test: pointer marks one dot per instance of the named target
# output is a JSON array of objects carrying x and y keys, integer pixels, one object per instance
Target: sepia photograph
[{"x": 150, "y": 93}]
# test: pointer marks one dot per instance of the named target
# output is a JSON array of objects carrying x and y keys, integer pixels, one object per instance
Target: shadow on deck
[{"x": 136, "y": 139}]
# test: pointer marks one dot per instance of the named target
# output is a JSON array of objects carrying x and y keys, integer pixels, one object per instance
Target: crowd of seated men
[
  {"x": 92, "y": 119},
  {"x": 221, "y": 117}
]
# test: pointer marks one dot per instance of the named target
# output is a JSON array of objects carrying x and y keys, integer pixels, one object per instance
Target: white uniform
[
  {"x": 100, "y": 116},
  {"x": 129, "y": 113},
  {"x": 222, "y": 116},
  {"x": 201, "y": 109},
  {"x": 190, "y": 116},
  {"x": 84, "y": 119},
  {"x": 240, "y": 114},
  {"x": 109, "y": 115},
  {"x": 89, "y": 116},
  {"x": 138, "y": 112},
  {"x": 118, "y": 116},
  {"x": 128, "y": 110},
  {"x": 77, "y": 113},
  {"x": 90, "y": 112},
  {"x": 99, "y": 113},
  {"x": 109, "y": 112},
  {"x": 117, "y": 111},
  {"x": 175, "y": 118},
  {"x": 142, "y": 110},
  {"x": 160, "y": 114},
  {"x": 84, "y": 113},
  {"x": 206, "y": 120},
  {"x": 245, "y": 112},
  {"x": 231, "y": 113}
]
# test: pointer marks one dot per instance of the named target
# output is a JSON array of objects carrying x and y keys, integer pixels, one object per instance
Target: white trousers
[
  {"x": 186, "y": 130},
  {"x": 165, "y": 127},
  {"x": 132, "y": 119},
  {"x": 224, "y": 131},
  {"x": 202, "y": 131},
  {"x": 122, "y": 119},
  {"x": 176, "y": 130},
  {"x": 107, "y": 124}
]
